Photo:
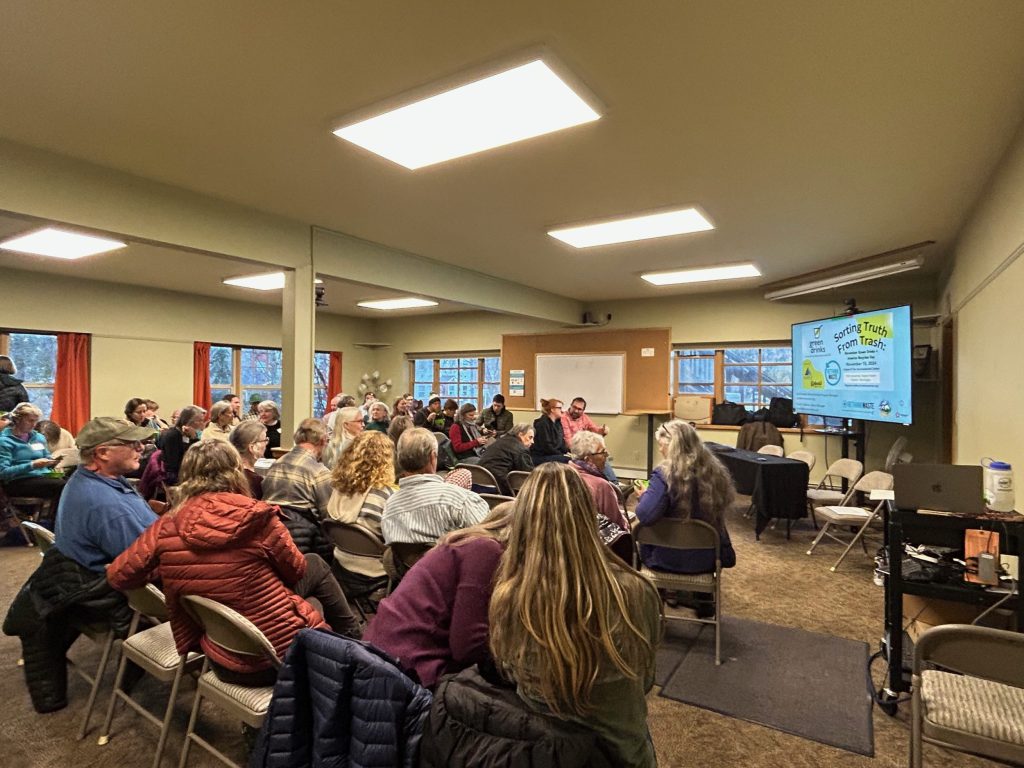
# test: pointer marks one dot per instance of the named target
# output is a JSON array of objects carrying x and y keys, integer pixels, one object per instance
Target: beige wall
[
  {"x": 142, "y": 338},
  {"x": 984, "y": 294},
  {"x": 723, "y": 317}
]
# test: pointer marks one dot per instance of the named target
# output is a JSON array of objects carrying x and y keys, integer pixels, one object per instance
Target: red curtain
[
  {"x": 333, "y": 378},
  {"x": 201, "y": 375},
  {"x": 71, "y": 399}
]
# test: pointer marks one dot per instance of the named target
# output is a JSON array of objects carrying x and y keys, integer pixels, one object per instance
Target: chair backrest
[
  {"x": 149, "y": 601},
  {"x": 481, "y": 475},
  {"x": 772, "y": 450},
  {"x": 494, "y": 499},
  {"x": 43, "y": 537},
  {"x": 845, "y": 469},
  {"x": 229, "y": 629},
  {"x": 874, "y": 481},
  {"x": 994, "y": 654},
  {"x": 406, "y": 555},
  {"x": 353, "y": 539},
  {"x": 680, "y": 534},
  {"x": 515, "y": 480},
  {"x": 806, "y": 457}
]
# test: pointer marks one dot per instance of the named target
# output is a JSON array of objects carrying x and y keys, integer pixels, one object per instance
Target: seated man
[
  {"x": 496, "y": 418},
  {"x": 301, "y": 486},
  {"x": 425, "y": 508},
  {"x": 430, "y": 417},
  {"x": 99, "y": 516},
  {"x": 575, "y": 420}
]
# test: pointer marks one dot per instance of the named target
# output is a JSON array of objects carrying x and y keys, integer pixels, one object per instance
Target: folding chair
[
  {"x": 515, "y": 480},
  {"x": 231, "y": 631},
  {"x": 826, "y": 492},
  {"x": 771, "y": 450},
  {"x": 482, "y": 478},
  {"x": 495, "y": 499},
  {"x": 43, "y": 537},
  {"x": 354, "y": 540},
  {"x": 103, "y": 637},
  {"x": 806, "y": 457},
  {"x": 844, "y": 516},
  {"x": 154, "y": 651},
  {"x": 687, "y": 534}
]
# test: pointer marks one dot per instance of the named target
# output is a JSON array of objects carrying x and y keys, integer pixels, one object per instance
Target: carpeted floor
[{"x": 773, "y": 582}]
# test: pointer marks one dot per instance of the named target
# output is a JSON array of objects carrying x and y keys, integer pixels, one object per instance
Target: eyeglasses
[
  {"x": 261, "y": 440},
  {"x": 600, "y": 453},
  {"x": 134, "y": 444}
]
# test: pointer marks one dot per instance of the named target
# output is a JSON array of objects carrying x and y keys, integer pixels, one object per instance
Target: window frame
[
  {"x": 720, "y": 365},
  {"x": 482, "y": 386},
  {"x": 236, "y": 387},
  {"x": 5, "y": 348}
]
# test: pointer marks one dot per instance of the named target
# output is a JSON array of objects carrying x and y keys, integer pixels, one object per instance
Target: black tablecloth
[{"x": 777, "y": 486}]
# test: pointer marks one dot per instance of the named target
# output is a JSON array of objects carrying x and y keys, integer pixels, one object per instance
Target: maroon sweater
[{"x": 435, "y": 623}]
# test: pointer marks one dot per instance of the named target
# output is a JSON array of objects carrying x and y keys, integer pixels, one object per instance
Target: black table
[{"x": 777, "y": 486}]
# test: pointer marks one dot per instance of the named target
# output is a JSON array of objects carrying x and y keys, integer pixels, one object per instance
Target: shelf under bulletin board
[{"x": 646, "y": 355}]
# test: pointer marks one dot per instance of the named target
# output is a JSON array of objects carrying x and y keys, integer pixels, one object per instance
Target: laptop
[{"x": 942, "y": 487}]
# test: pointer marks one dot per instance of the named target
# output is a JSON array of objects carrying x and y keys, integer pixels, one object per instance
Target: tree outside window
[{"x": 35, "y": 355}]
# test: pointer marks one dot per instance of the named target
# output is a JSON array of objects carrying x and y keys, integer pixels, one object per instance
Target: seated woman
[
  {"x": 577, "y": 633},
  {"x": 690, "y": 483},
  {"x": 218, "y": 542},
  {"x": 549, "y": 437},
  {"x": 174, "y": 442},
  {"x": 509, "y": 453},
  {"x": 378, "y": 417},
  {"x": 137, "y": 411},
  {"x": 435, "y": 622},
  {"x": 26, "y": 466},
  {"x": 467, "y": 440},
  {"x": 362, "y": 481},
  {"x": 156, "y": 421},
  {"x": 347, "y": 425},
  {"x": 250, "y": 440},
  {"x": 270, "y": 417},
  {"x": 221, "y": 419},
  {"x": 59, "y": 441}
]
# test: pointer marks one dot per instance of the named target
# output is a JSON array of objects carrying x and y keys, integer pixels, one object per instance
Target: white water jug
[{"x": 998, "y": 485}]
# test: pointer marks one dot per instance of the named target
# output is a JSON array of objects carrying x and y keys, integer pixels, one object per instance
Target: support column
[{"x": 298, "y": 327}]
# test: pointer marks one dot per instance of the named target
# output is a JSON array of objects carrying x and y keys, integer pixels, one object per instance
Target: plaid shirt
[{"x": 298, "y": 480}]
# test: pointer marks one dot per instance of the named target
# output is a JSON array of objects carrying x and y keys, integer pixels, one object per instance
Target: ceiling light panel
[
  {"x": 679, "y": 222},
  {"x": 61, "y": 244},
  {"x": 519, "y": 103},
  {"x": 703, "y": 275},
  {"x": 270, "y": 281},
  {"x": 407, "y": 303}
]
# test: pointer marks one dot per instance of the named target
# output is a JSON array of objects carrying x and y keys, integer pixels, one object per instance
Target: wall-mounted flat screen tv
[{"x": 855, "y": 366}]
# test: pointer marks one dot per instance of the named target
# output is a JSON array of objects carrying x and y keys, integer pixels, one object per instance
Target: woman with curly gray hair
[{"x": 690, "y": 483}]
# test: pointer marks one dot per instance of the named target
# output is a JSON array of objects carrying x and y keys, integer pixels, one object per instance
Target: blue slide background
[{"x": 856, "y": 367}]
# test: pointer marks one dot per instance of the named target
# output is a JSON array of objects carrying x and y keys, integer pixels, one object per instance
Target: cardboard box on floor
[{"x": 922, "y": 613}]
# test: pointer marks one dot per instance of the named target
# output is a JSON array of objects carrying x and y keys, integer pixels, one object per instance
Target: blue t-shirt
[{"x": 98, "y": 518}]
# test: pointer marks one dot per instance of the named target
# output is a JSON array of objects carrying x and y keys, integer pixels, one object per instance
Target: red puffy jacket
[{"x": 229, "y": 548}]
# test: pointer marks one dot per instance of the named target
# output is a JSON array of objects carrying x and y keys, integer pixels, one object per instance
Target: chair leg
[
  {"x": 819, "y": 537},
  {"x": 718, "y": 622},
  {"x": 858, "y": 537},
  {"x": 915, "y": 728},
  {"x": 109, "y": 719},
  {"x": 97, "y": 681},
  {"x": 192, "y": 719},
  {"x": 168, "y": 713}
]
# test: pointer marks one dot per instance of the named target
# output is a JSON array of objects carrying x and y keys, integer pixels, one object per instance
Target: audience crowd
[{"x": 539, "y": 594}]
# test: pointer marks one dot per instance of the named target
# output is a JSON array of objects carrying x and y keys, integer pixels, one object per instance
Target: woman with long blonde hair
[
  {"x": 573, "y": 626},
  {"x": 363, "y": 479},
  {"x": 435, "y": 622},
  {"x": 218, "y": 542}
]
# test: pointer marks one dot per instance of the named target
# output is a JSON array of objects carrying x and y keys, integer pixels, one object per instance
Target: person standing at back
[{"x": 12, "y": 391}]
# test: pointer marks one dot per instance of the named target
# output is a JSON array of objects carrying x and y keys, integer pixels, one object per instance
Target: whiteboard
[{"x": 597, "y": 378}]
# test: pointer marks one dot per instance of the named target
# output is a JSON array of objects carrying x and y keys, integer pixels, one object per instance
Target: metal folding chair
[
  {"x": 482, "y": 477},
  {"x": 515, "y": 480},
  {"x": 354, "y": 540},
  {"x": 495, "y": 499}
]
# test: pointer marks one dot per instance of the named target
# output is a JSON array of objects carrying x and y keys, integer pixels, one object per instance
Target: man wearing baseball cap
[{"x": 99, "y": 513}]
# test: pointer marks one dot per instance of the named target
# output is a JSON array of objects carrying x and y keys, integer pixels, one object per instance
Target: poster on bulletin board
[{"x": 517, "y": 383}]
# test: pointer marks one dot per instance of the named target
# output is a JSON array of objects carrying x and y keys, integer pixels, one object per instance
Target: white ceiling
[
  {"x": 175, "y": 269},
  {"x": 811, "y": 132}
]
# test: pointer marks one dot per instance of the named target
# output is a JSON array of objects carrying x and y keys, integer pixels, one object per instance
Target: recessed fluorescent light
[
  {"x": 271, "y": 281},
  {"x": 703, "y": 275},
  {"x": 408, "y": 303},
  {"x": 519, "y": 103},
  {"x": 846, "y": 278},
  {"x": 679, "y": 222},
  {"x": 61, "y": 244}
]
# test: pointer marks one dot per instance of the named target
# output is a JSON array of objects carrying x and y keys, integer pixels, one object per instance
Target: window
[
  {"x": 465, "y": 379},
  {"x": 751, "y": 376},
  {"x": 248, "y": 371},
  {"x": 35, "y": 355}
]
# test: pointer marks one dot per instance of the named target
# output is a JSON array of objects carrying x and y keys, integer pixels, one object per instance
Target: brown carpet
[{"x": 773, "y": 582}]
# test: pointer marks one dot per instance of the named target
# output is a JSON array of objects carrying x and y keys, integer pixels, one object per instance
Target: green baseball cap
[{"x": 106, "y": 429}]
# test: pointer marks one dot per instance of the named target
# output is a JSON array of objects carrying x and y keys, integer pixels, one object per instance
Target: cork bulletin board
[{"x": 646, "y": 353}]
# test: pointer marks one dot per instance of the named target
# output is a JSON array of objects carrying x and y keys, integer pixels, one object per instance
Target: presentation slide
[{"x": 854, "y": 367}]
